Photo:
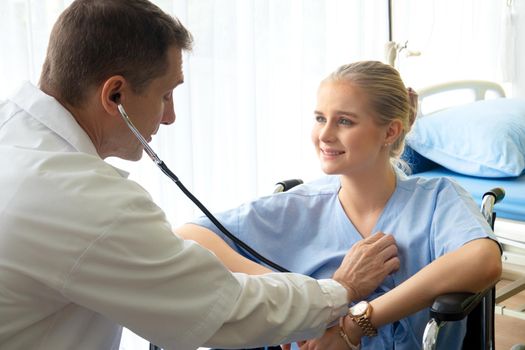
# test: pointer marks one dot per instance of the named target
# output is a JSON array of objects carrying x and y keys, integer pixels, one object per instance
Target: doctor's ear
[
  {"x": 111, "y": 93},
  {"x": 115, "y": 97}
]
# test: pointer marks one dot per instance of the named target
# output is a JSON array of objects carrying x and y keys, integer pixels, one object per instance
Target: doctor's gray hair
[
  {"x": 93, "y": 40},
  {"x": 387, "y": 94}
]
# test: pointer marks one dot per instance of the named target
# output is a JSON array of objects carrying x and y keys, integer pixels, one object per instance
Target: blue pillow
[{"x": 483, "y": 138}]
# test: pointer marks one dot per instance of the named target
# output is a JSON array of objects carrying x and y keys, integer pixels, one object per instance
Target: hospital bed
[{"x": 441, "y": 145}]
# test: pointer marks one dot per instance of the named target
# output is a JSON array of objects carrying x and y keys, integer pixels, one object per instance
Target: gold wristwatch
[{"x": 360, "y": 314}]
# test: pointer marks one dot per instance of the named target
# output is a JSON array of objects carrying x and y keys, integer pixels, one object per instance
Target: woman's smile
[{"x": 331, "y": 153}]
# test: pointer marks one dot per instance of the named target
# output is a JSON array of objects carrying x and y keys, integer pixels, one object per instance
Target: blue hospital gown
[{"x": 307, "y": 231}]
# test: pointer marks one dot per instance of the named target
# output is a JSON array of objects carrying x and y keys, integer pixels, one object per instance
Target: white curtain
[
  {"x": 457, "y": 39},
  {"x": 245, "y": 110}
]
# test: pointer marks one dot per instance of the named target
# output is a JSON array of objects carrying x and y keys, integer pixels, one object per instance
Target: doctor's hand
[
  {"x": 329, "y": 340},
  {"x": 367, "y": 264}
]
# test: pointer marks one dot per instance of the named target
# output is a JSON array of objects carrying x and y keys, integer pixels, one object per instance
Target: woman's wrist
[{"x": 350, "y": 332}]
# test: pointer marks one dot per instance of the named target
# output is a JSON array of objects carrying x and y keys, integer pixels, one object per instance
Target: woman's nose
[{"x": 326, "y": 133}]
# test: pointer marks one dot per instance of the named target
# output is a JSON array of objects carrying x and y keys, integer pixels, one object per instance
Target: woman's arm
[
  {"x": 472, "y": 268},
  {"x": 229, "y": 257}
]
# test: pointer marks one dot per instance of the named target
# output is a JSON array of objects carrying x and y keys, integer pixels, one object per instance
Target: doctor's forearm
[{"x": 282, "y": 308}]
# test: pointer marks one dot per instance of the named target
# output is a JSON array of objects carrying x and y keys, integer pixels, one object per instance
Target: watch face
[{"x": 359, "y": 308}]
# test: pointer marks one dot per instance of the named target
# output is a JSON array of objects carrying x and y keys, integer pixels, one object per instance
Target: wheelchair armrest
[{"x": 455, "y": 306}]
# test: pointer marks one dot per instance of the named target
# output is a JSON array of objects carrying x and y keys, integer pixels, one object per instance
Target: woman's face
[{"x": 346, "y": 136}]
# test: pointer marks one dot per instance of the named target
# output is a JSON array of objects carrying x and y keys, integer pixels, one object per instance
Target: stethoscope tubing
[{"x": 164, "y": 168}]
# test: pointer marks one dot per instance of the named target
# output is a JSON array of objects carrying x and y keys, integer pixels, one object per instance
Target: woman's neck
[{"x": 364, "y": 196}]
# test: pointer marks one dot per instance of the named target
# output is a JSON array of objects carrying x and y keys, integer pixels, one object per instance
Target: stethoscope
[{"x": 149, "y": 151}]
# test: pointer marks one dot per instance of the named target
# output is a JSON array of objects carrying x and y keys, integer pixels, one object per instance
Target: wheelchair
[{"x": 477, "y": 308}]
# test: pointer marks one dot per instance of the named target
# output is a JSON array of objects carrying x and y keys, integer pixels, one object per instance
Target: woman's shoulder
[
  {"x": 434, "y": 187},
  {"x": 309, "y": 194},
  {"x": 424, "y": 183}
]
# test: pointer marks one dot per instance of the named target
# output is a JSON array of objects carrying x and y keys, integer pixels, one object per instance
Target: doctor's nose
[{"x": 169, "y": 115}]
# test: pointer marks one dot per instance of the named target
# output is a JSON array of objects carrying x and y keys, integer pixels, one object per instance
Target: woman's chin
[{"x": 330, "y": 170}]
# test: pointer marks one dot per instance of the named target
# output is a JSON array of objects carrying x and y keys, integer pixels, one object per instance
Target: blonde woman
[{"x": 362, "y": 116}]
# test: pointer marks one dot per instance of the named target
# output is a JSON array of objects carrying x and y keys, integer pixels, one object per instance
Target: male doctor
[{"x": 85, "y": 251}]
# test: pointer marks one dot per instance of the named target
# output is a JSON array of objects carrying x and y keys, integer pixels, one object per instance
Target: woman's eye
[
  {"x": 345, "y": 121},
  {"x": 320, "y": 119}
]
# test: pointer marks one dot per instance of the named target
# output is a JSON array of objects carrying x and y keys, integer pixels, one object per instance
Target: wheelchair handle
[
  {"x": 497, "y": 192},
  {"x": 283, "y": 186}
]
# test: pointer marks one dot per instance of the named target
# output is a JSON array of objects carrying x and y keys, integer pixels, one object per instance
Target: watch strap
[{"x": 366, "y": 326}]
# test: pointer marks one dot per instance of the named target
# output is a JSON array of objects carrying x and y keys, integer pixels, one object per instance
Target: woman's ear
[
  {"x": 112, "y": 94},
  {"x": 393, "y": 131}
]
